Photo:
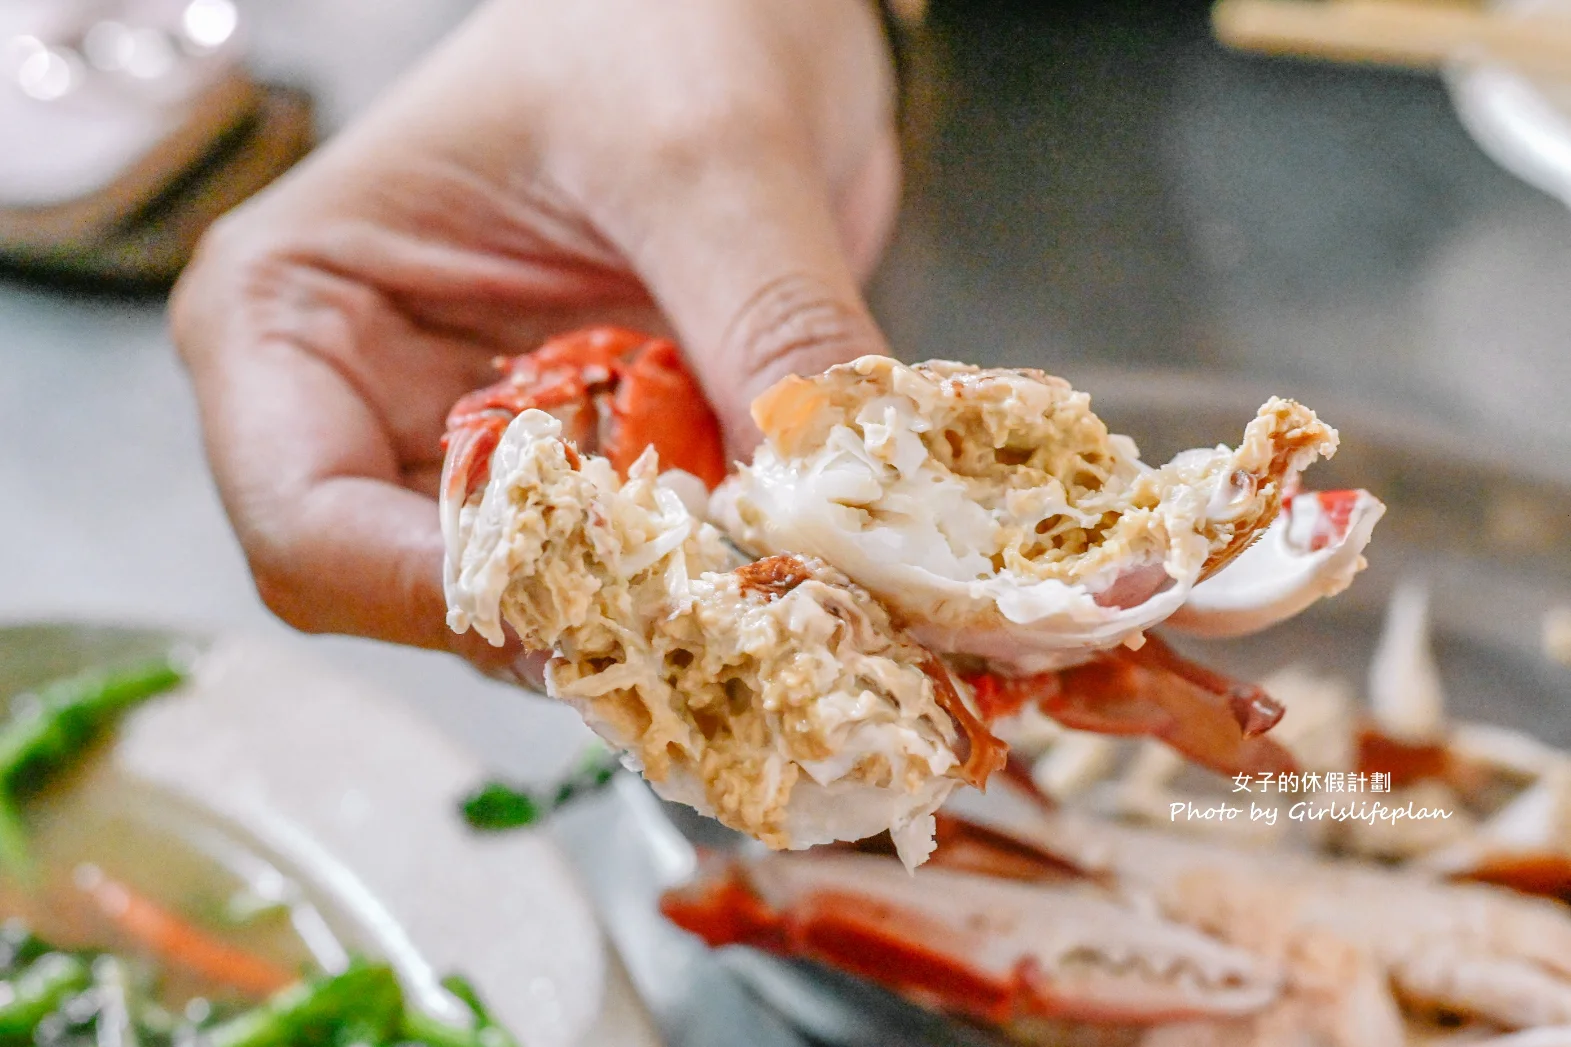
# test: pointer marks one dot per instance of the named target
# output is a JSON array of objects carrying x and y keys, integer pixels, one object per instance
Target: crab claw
[
  {"x": 992, "y": 949},
  {"x": 1310, "y": 551},
  {"x": 1153, "y": 692}
]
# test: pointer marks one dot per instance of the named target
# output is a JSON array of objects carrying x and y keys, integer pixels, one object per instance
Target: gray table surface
[{"x": 1089, "y": 185}]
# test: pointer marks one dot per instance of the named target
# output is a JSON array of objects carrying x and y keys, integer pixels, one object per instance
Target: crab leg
[
  {"x": 992, "y": 949},
  {"x": 1152, "y": 692}
]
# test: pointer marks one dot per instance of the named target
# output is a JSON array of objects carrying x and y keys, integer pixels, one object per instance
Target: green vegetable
[
  {"x": 460, "y": 987},
  {"x": 418, "y": 1027},
  {"x": 487, "y": 1031},
  {"x": 422, "y": 1028},
  {"x": 69, "y": 713},
  {"x": 44, "y": 1004},
  {"x": 365, "y": 999},
  {"x": 56, "y": 724},
  {"x": 494, "y": 807},
  {"x": 15, "y": 854},
  {"x": 37, "y": 992},
  {"x": 497, "y": 806},
  {"x": 18, "y": 946}
]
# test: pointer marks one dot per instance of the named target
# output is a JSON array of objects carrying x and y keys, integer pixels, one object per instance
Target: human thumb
[{"x": 747, "y": 262}]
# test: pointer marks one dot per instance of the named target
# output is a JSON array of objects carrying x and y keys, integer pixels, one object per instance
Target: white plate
[
  {"x": 1522, "y": 122},
  {"x": 356, "y": 796}
]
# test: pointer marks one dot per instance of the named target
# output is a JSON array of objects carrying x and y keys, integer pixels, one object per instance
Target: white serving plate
[
  {"x": 354, "y": 796},
  {"x": 1523, "y": 122}
]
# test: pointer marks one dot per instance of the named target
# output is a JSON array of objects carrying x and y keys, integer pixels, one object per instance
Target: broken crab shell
[
  {"x": 1472, "y": 949},
  {"x": 995, "y": 512},
  {"x": 1311, "y": 551}
]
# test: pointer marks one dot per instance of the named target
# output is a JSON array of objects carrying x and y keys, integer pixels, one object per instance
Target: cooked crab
[
  {"x": 559, "y": 523},
  {"x": 997, "y": 515},
  {"x": 1027, "y": 914},
  {"x": 1359, "y": 941},
  {"x": 1042, "y": 943}
]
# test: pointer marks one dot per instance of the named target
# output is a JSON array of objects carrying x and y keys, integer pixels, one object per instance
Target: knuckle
[
  {"x": 210, "y": 282},
  {"x": 279, "y": 583},
  {"x": 796, "y": 321}
]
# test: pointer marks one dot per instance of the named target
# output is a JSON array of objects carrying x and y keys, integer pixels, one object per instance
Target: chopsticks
[{"x": 1409, "y": 33}]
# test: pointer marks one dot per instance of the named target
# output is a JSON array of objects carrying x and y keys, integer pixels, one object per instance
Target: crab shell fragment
[
  {"x": 1312, "y": 550},
  {"x": 992, "y": 511}
]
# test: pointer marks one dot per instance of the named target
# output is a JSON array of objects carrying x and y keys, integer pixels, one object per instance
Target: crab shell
[
  {"x": 989, "y": 948},
  {"x": 1312, "y": 550},
  {"x": 1353, "y": 936},
  {"x": 853, "y": 470},
  {"x": 615, "y": 392}
]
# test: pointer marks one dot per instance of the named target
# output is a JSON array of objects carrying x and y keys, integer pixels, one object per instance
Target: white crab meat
[
  {"x": 775, "y": 696},
  {"x": 993, "y": 511},
  {"x": 1311, "y": 551}
]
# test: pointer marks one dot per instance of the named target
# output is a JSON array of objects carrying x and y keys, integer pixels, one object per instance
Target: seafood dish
[
  {"x": 825, "y": 643},
  {"x": 1428, "y": 909}
]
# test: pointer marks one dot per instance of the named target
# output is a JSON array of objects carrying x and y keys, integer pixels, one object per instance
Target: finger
[
  {"x": 865, "y": 212},
  {"x": 739, "y": 245},
  {"x": 749, "y": 267},
  {"x": 309, "y": 477}
]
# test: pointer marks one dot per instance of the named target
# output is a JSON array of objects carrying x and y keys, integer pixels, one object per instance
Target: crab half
[
  {"x": 994, "y": 511},
  {"x": 937, "y": 547}
]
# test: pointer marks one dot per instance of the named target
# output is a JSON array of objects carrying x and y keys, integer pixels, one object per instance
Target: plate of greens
[{"x": 224, "y": 843}]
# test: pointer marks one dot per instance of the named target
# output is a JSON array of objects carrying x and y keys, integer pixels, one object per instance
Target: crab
[
  {"x": 1027, "y": 913},
  {"x": 1040, "y": 943},
  {"x": 1523, "y": 842},
  {"x": 993, "y": 511},
  {"x": 1357, "y": 943},
  {"x": 775, "y": 695},
  {"x": 585, "y": 504}
]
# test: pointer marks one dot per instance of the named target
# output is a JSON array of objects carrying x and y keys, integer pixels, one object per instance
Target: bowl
[
  {"x": 1522, "y": 122},
  {"x": 275, "y": 766}
]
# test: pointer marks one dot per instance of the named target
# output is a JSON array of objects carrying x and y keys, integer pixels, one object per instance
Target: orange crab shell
[
  {"x": 617, "y": 393},
  {"x": 904, "y": 950},
  {"x": 949, "y": 956}
]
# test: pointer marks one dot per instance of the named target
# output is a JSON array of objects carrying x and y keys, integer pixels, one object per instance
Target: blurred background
[{"x": 1093, "y": 187}]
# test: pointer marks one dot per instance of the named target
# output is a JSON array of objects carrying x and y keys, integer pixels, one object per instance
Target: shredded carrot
[{"x": 177, "y": 942}]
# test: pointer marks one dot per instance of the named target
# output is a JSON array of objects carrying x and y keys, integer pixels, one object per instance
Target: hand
[{"x": 722, "y": 170}]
